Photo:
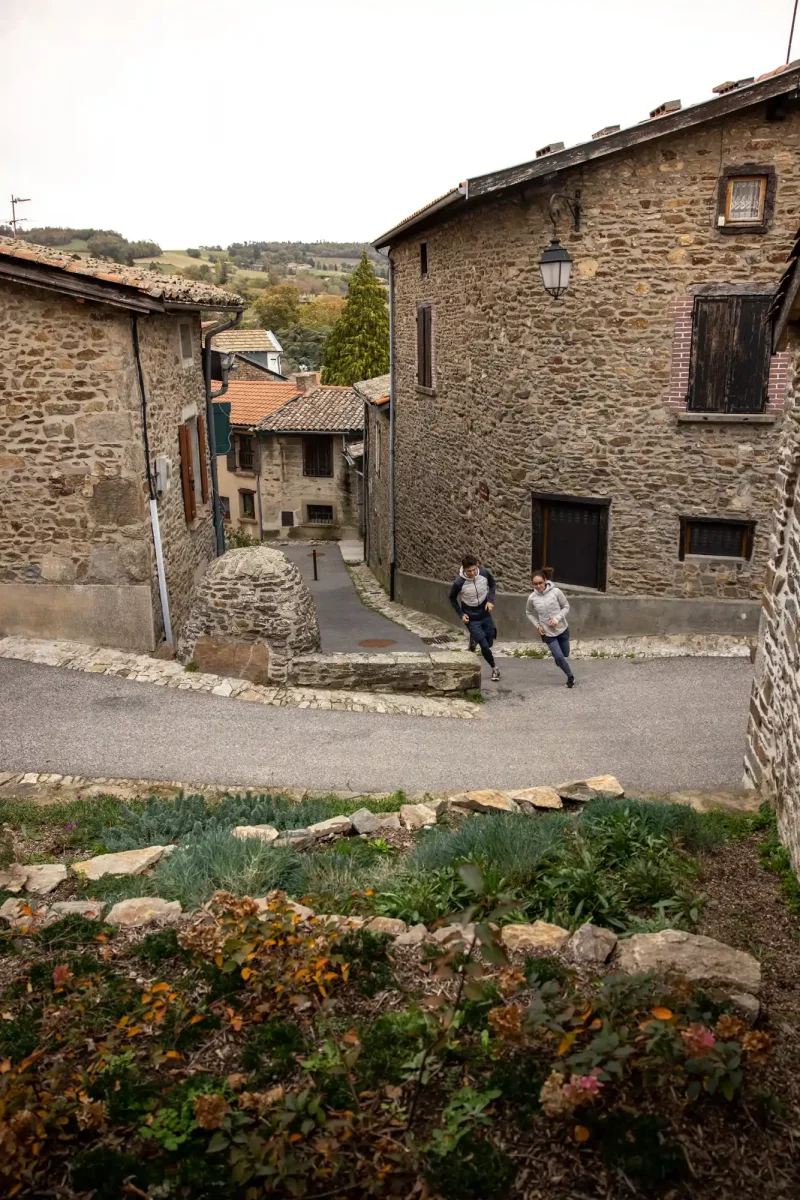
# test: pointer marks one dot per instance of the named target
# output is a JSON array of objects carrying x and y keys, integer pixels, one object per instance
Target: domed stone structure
[{"x": 251, "y": 615}]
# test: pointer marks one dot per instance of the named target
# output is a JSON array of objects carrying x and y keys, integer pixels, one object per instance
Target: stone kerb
[
  {"x": 251, "y": 615},
  {"x": 437, "y": 674}
]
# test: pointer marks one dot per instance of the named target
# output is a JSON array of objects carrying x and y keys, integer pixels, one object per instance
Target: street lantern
[{"x": 556, "y": 267}]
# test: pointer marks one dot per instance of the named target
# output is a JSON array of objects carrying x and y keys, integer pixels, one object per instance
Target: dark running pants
[
  {"x": 481, "y": 628},
  {"x": 559, "y": 648}
]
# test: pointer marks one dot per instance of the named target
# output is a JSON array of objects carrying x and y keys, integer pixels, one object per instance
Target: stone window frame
[
  {"x": 186, "y": 363},
  {"x": 242, "y": 517},
  {"x": 682, "y": 316},
  {"x": 421, "y": 388},
  {"x": 308, "y": 505},
  {"x": 742, "y": 170}
]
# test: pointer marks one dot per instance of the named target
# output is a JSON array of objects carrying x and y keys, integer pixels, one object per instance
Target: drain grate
[
  {"x": 444, "y": 639},
  {"x": 377, "y": 643}
]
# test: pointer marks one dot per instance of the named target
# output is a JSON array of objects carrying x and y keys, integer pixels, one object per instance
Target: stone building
[
  {"x": 256, "y": 353},
  {"x": 772, "y": 761},
  {"x": 626, "y": 431},
  {"x": 377, "y": 551},
  {"x": 293, "y": 465},
  {"x": 102, "y": 407}
]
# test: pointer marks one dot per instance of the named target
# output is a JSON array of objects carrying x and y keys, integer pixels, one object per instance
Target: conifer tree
[{"x": 358, "y": 345}]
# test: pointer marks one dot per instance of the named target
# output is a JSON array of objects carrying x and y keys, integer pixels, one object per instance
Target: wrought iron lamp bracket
[{"x": 573, "y": 203}]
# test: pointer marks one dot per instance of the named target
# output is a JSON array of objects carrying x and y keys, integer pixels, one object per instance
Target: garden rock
[
  {"x": 125, "y": 862},
  {"x": 539, "y": 797},
  {"x": 745, "y": 1006},
  {"x": 538, "y": 936},
  {"x": 302, "y": 911},
  {"x": 390, "y": 925},
  {"x": 265, "y": 833},
  {"x": 335, "y": 921},
  {"x": 365, "y": 821},
  {"x": 331, "y": 827},
  {"x": 484, "y": 802},
  {"x": 416, "y": 816},
  {"x": 586, "y": 789},
  {"x": 691, "y": 956},
  {"x": 437, "y": 804},
  {"x": 298, "y": 839},
  {"x": 10, "y": 909},
  {"x": 449, "y": 935},
  {"x": 45, "y": 877},
  {"x": 414, "y": 936},
  {"x": 13, "y": 878},
  {"x": 591, "y": 945},
  {"x": 144, "y": 910},
  {"x": 389, "y": 821},
  {"x": 91, "y": 909}
]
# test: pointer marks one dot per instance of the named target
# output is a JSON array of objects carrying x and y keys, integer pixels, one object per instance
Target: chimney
[
  {"x": 306, "y": 381},
  {"x": 605, "y": 131},
  {"x": 732, "y": 84},
  {"x": 669, "y": 106},
  {"x": 553, "y": 148}
]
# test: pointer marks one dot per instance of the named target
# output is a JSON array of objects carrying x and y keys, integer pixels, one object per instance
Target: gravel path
[{"x": 661, "y": 724}]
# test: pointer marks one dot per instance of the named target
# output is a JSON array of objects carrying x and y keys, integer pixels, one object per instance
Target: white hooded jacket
[{"x": 543, "y": 606}]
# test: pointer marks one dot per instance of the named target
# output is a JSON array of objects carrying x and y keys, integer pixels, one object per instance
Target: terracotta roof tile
[
  {"x": 254, "y": 399},
  {"x": 323, "y": 410},
  {"x": 168, "y": 288}
]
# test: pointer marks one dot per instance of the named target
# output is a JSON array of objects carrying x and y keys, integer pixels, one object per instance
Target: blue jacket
[{"x": 472, "y": 595}]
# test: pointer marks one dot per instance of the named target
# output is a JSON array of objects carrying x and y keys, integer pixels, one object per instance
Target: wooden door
[{"x": 570, "y": 536}]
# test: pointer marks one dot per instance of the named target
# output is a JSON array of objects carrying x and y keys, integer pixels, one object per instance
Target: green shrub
[
  {"x": 481, "y": 1172},
  {"x": 519, "y": 1081},
  {"x": 271, "y": 1049},
  {"x": 72, "y": 930},
  {"x": 366, "y": 954},
  {"x": 217, "y": 860},
  {"x": 390, "y": 1045},
  {"x": 775, "y": 857}
]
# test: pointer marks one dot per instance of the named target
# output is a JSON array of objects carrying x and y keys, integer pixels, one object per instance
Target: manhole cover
[{"x": 377, "y": 643}]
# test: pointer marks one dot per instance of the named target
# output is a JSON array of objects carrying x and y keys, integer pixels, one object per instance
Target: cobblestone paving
[{"x": 165, "y": 673}]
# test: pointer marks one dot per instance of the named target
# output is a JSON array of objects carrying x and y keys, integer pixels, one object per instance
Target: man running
[{"x": 472, "y": 596}]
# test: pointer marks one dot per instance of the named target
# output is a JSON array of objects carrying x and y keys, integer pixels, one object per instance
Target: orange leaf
[
  {"x": 351, "y": 1038},
  {"x": 197, "y": 1018},
  {"x": 173, "y": 1054},
  {"x": 581, "y": 1133},
  {"x": 566, "y": 1041},
  {"x": 146, "y": 997},
  {"x": 5, "y": 1066},
  {"x": 246, "y": 973},
  {"x": 662, "y": 1014}
]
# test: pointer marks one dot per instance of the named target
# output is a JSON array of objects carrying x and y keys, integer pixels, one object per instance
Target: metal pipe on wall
[{"x": 391, "y": 430}]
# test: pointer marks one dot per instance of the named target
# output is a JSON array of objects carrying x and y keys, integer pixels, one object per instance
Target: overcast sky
[{"x": 190, "y": 121}]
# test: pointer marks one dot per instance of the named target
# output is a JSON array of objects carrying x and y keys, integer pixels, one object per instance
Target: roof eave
[
  {"x": 201, "y": 306},
  {"x": 304, "y": 432},
  {"x": 425, "y": 214}
]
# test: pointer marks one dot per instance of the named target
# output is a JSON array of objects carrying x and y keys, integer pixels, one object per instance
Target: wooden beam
[{"x": 787, "y": 303}]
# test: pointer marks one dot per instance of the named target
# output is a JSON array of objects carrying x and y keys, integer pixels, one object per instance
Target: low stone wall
[
  {"x": 437, "y": 674},
  {"x": 251, "y": 615},
  {"x": 595, "y": 614}
]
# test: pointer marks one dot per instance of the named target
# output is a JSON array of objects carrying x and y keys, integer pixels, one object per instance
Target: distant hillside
[{"x": 101, "y": 243}]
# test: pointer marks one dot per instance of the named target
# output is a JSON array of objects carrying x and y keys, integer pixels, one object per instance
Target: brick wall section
[
  {"x": 569, "y": 396},
  {"x": 73, "y": 494},
  {"x": 682, "y": 308},
  {"x": 773, "y": 738}
]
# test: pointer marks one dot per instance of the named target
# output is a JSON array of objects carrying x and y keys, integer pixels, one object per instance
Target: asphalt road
[
  {"x": 661, "y": 724},
  {"x": 345, "y": 624}
]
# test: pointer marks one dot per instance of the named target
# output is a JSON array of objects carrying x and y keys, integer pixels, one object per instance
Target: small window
[
  {"x": 745, "y": 200},
  {"x": 570, "y": 534},
  {"x": 246, "y": 456},
  {"x": 287, "y": 519},
  {"x": 320, "y": 514},
  {"x": 194, "y": 468},
  {"x": 187, "y": 349},
  {"x": 423, "y": 259},
  {"x": 716, "y": 538},
  {"x": 424, "y": 346},
  {"x": 247, "y": 505},
  {"x": 318, "y": 457},
  {"x": 225, "y": 506}
]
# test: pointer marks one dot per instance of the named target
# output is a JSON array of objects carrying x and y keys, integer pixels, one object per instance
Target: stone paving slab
[{"x": 142, "y": 668}]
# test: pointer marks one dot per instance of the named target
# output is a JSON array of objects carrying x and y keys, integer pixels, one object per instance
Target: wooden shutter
[
  {"x": 730, "y": 354},
  {"x": 201, "y": 439},
  {"x": 231, "y": 456},
  {"x": 187, "y": 474},
  {"x": 256, "y": 445},
  {"x": 424, "y": 365}
]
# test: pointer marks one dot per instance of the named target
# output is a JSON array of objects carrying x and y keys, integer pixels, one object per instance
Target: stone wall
[
  {"x": 572, "y": 396},
  {"x": 252, "y": 614},
  {"x": 73, "y": 498},
  {"x": 377, "y": 506},
  {"x": 283, "y": 487},
  {"x": 437, "y": 674},
  {"x": 772, "y": 761}
]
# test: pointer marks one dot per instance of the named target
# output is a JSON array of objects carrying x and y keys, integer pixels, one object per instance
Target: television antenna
[{"x": 15, "y": 220}]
